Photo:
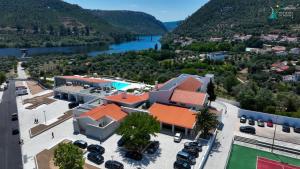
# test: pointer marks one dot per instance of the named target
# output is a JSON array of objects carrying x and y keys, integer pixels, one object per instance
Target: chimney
[
  {"x": 124, "y": 95},
  {"x": 156, "y": 85}
]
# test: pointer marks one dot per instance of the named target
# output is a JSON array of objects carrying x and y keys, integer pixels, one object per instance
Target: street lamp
[
  {"x": 45, "y": 116},
  {"x": 274, "y": 134}
]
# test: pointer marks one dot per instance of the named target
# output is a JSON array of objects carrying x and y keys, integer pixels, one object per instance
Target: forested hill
[
  {"x": 226, "y": 17},
  {"x": 136, "y": 22},
  {"x": 52, "y": 22}
]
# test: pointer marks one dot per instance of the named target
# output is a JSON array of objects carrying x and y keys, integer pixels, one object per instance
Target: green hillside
[
  {"x": 136, "y": 22},
  {"x": 227, "y": 17}
]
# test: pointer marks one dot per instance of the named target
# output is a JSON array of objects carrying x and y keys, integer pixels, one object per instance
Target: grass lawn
[{"x": 245, "y": 158}]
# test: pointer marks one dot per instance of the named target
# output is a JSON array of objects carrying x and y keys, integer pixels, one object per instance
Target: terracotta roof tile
[
  {"x": 190, "y": 84},
  {"x": 188, "y": 97},
  {"x": 173, "y": 115},
  {"x": 110, "y": 110},
  {"x": 129, "y": 99}
]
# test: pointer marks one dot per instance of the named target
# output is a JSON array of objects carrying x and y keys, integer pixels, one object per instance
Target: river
[{"x": 143, "y": 43}]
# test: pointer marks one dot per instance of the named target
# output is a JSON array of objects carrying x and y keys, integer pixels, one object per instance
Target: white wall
[
  {"x": 275, "y": 118},
  {"x": 101, "y": 133},
  {"x": 160, "y": 96},
  {"x": 133, "y": 110}
]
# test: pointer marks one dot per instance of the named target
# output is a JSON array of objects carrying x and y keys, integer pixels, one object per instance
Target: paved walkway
[{"x": 218, "y": 156}]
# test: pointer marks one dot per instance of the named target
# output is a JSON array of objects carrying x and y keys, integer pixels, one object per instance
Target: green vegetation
[
  {"x": 206, "y": 121},
  {"x": 2, "y": 77},
  {"x": 136, "y": 22},
  {"x": 67, "y": 156},
  {"x": 224, "y": 18},
  {"x": 246, "y": 158},
  {"x": 8, "y": 67},
  {"x": 136, "y": 128}
]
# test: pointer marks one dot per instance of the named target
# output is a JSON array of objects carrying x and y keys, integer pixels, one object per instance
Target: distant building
[
  {"x": 217, "y": 56},
  {"x": 278, "y": 49},
  {"x": 295, "y": 51},
  {"x": 216, "y": 39},
  {"x": 280, "y": 67}
]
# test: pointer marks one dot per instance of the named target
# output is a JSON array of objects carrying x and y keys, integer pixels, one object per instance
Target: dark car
[
  {"x": 153, "y": 147},
  {"x": 243, "y": 119},
  {"x": 247, "y": 129},
  {"x": 184, "y": 156},
  {"x": 81, "y": 144},
  {"x": 111, "y": 164},
  {"x": 196, "y": 145},
  {"x": 286, "y": 128},
  {"x": 134, "y": 155},
  {"x": 121, "y": 142},
  {"x": 95, "y": 158},
  {"x": 73, "y": 105},
  {"x": 14, "y": 117},
  {"x": 96, "y": 149},
  {"x": 179, "y": 164},
  {"x": 192, "y": 151},
  {"x": 260, "y": 123},
  {"x": 297, "y": 129},
  {"x": 15, "y": 131},
  {"x": 251, "y": 122}
]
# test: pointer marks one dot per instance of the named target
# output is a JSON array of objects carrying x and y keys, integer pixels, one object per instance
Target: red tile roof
[
  {"x": 91, "y": 80},
  {"x": 173, "y": 115},
  {"x": 190, "y": 84},
  {"x": 129, "y": 99},
  {"x": 110, "y": 110},
  {"x": 188, "y": 97}
]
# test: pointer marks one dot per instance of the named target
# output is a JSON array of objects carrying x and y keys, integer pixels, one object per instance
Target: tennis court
[
  {"x": 242, "y": 157},
  {"x": 264, "y": 163}
]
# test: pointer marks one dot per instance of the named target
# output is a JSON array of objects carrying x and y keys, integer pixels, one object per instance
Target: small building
[
  {"x": 217, "y": 56},
  {"x": 100, "y": 122},
  {"x": 174, "y": 118},
  {"x": 128, "y": 99},
  {"x": 295, "y": 51},
  {"x": 278, "y": 49}
]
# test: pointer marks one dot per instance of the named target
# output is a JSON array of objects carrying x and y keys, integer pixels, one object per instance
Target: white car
[{"x": 177, "y": 137}]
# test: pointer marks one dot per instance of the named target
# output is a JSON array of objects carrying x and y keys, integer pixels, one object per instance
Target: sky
[{"x": 164, "y": 10}]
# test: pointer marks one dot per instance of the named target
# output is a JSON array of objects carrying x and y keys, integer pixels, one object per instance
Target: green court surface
[{"x": 245, "y": 158}]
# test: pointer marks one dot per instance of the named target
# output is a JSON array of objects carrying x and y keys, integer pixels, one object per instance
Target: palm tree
[{"x": 206, "y": 121}]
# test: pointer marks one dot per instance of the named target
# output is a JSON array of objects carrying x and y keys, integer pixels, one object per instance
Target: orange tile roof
[
  {"x": 190, "y": 84},
  {"x": 130, "y": 98},
  {"x": 173, "y": 115},
  {"x": 91, "y": 80},
  {"x": 188, "y": 97},
  {"x": 110, "y": 110}
]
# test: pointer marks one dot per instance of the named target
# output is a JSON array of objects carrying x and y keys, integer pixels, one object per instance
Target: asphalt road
[{"x": 10, "y": 150}]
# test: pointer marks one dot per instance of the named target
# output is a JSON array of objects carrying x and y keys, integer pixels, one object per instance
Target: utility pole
[
  {"x": 45, "y": 116},
  {"x": 274, "y": 134}
]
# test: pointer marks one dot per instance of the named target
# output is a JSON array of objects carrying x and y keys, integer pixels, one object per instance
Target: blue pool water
[{"x": 119, "y": 85}]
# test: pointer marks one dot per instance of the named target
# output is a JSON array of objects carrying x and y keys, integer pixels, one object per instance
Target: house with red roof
[
  {"x": 186, "y": 91},
  {"x": 127, "y": 99},
  {"x": 99, "y": 122}
]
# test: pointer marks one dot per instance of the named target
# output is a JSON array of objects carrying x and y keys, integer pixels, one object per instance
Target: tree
[
  {"x": 136, "y": 127},
  {"x": 2, "y": 77},
  {"x": 211, "y": 91},
  {"x": 67, "y": 156},
  {"x": 229, "y": 82},
  {"x": 206, "y": 121}
]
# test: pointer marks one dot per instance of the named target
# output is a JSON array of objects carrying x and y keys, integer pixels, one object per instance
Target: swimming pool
[{"x": 119, "y": 85}]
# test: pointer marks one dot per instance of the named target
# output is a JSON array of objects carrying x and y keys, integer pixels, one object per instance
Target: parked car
[
  {"x": 177, "y": 137},
  {"x": 180, "y": 164},
  {"x": 111, "y": 164},
  {"x": 260, "y": 123},
  {"x": 184, "y": 156},
  {"x": 81, "y": 144},
  {"x": 153, "y": 147},
  {"x": 286, "y": 128},
  {"x": 73, "y": 105},
  {"x": 251, "y": 122},
  {"x": 14, "y": 117},
  {"x": 95, "y": 158},
  {"x": 121, "y": 142},
  {"x": 192, "y": 151},
  {"x": 247, "y": 129},
  {"x": 297, "y": 129},
  {"x": 270, "y": 123},
  {"x": 243, "y": 119},
  {"x": 15, "y": 131},
  {"x": 134, "y": 155},
  {"x": 96, "y": 149},
  {"x": 196, "y": 145}
]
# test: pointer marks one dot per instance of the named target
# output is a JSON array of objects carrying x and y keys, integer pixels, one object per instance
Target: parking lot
[
  {"x": 163, "y": 158},
  {"x": 268, "y": 132}
]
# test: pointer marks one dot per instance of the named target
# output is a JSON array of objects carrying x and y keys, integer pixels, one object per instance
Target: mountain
[
  {"x": 172, "y": 25},
  {"x": 55, "y": 22},
  {"x": 227, "y": 17},
  {"x": 136, "y": 22}
]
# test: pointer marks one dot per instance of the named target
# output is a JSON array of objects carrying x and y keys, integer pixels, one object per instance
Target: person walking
[{"x": 52, "y": 135}]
